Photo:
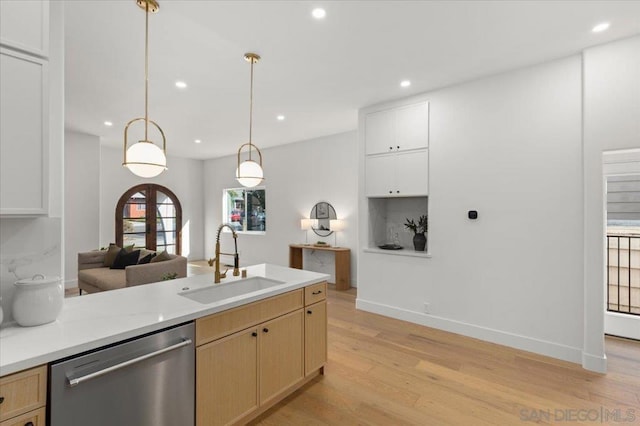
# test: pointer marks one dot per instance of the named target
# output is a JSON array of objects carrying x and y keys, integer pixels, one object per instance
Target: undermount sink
[{"x": 217, "y": 292}]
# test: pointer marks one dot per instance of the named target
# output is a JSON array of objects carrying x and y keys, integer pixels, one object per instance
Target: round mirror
[{"x": 321, "y": 215}]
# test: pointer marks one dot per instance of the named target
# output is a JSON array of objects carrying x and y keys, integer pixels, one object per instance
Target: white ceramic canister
[{"x": 37, "y": 300}]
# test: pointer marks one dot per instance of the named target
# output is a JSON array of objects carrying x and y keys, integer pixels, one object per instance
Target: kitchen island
[{"x": 275, "y": 296}]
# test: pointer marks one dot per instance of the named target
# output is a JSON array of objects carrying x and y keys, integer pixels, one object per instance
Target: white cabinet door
[
  {"x": 24, "y": 25},
  {"x": 380, "y": 132},
  {"x": 412, "y": 126},
  {"x": 401, "y": 174},
  {"x": 23, "y": 134},
  {"x": 412, "y": 173},
  {"x": 380, "y": 175}
]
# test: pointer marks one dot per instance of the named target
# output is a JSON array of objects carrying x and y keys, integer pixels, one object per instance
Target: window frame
[{"x": 226, "y": 212}]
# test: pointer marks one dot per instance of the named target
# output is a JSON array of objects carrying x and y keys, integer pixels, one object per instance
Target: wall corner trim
[{"x": 597, "y": 364}]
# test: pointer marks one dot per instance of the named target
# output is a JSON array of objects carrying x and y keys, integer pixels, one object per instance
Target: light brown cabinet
[
  {"x": 24, "y": 397},
  {"x": 280, "y": 355},
  {"x": 253, "y": 356},
  {"x": 315, "y": 337},
  {"x": 227, "y": 379}
]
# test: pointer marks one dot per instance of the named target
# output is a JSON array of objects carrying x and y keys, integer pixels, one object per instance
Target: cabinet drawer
[
  {"x": 315, "y": 293},
  {"x": 22, "y": 392},
  {"x": 32, "y": 418},
  {"x": 224, "y": 323}
]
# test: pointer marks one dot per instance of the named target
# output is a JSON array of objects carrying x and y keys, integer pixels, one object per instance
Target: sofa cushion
[
  {"x": 146, "y": 259},
  {"x": 112, "y": 253},
  {"x": 125, "y": 258},
  {"x": 103, "y": 278},
  {"x": 161, "y": 257}
]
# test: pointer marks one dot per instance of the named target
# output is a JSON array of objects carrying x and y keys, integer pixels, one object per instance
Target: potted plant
[{"x": 419, "y": 229}]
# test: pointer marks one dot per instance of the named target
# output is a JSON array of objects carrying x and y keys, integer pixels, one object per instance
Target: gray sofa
[{"x": 93, "y": 276}]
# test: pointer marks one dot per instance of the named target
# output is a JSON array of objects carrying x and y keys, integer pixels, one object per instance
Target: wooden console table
[{"x": 342, "y": 261}]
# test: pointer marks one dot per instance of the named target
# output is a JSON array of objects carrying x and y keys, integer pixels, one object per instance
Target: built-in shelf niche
[{"x": 386, "y": 220}]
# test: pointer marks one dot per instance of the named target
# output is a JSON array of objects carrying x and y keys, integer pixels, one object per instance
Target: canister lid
[{"x": 37, "y": 280}]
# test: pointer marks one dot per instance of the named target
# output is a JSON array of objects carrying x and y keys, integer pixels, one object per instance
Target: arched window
[{"x": 149, "y": 216}]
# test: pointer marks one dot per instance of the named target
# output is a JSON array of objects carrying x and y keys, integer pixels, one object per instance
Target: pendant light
[
  {"x": 144, "y": 158},
  {"x": 249, "y": 172}
]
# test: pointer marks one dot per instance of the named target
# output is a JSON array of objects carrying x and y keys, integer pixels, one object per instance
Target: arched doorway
[{"x": 149, "y": 216}]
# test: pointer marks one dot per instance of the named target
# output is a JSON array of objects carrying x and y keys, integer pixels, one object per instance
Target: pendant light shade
[
  {"x": 144, "y": 158},
  {"x": 249, "y": 172}
]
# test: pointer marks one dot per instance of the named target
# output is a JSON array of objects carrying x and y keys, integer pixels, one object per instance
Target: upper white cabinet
[
  {"x": 397, "y": 129},
  {"x": 396, "y": 148},
  {"x": 24, "y": 107},
  {"x": 24, "y": 25},
  {"x": 401, "y": 174},
  {"x": 23, "y": 134}
]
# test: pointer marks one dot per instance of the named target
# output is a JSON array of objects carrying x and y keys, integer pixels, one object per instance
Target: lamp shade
[
  {"x": 305, "y": 224},
  {"x": 249, "y": 174},
  {"x": 145, "y": 159}
]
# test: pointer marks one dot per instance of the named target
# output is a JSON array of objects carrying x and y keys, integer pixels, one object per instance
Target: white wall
[
  {"x": 508, "y": 146},
  {"x": 297, "y": 176},
  {"x": 611, "y": 122},
  {"x": 184, "y": 177},
  {"x": 82, "y": 199}
]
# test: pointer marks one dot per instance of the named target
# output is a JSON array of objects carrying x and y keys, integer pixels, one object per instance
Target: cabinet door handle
[
  {"x": 254, "y": 334},
  {"x": 390, "y": 148},
  {"x": 265, "y": 330},
  {"x": 390, "y": 192},
  {"x": 317, "y": 292},
  {"x": 28, "y": 424},
  {"x": 309, "y": 311},
  {"x": 397, "y": 192},
  {"x": 1, "y": 399},
  {"x": 398, "y": 147}
]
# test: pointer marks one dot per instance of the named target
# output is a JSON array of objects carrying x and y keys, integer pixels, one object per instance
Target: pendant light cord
[
  {"x": 251, "y": 108},
  {"x": 146, "y": 72}
]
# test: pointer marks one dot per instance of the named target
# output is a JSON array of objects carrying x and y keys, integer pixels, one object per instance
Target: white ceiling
[{"x": 316, "y": 73}]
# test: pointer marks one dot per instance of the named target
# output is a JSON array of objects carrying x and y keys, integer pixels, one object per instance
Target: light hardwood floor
[{"x": 383, "y": 371}]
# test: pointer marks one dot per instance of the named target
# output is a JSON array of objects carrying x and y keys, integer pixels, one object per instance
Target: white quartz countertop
[{"x": 95, "y": 320}]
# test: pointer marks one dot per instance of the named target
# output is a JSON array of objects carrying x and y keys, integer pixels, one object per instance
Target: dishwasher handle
[{"x": 77, "y": 381}]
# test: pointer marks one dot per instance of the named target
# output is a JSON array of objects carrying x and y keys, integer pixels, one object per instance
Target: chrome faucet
[{"x": 236, "y": 258}]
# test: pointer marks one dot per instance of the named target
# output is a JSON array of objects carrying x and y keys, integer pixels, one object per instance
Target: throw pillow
[
  {"x": 124, "y": 259},
  {"x": 112, "y": 252},
  {"x": 146, "y": 259},
  {"x": 161, "y": 257}
]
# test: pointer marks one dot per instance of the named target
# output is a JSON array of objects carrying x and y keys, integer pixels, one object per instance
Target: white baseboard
[
  {"x": 71, "y": 283},
  {"x": 594, "y": 363},
  {"x": 542, "y": 347}
]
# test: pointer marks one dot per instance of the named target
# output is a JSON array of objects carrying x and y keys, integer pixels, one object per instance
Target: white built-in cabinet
[
  {"x": 24, "y": 108},
  {"x": 397, "y": 154}
]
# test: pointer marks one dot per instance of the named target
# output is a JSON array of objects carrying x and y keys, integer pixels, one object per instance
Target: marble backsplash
[{"x": 28, "y": 246}]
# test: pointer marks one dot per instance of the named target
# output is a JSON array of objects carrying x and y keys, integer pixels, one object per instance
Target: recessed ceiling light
[
  {"x": 181, "y": 85},
  {"x": 108, "y": 123},
  {"x": 197, "y": 141},
  {"x": 318, "y": 13},
  {"x": 280, "y": 117},
  {"x": 601, "y": 27},
  {"x": 405, "y": 83}
]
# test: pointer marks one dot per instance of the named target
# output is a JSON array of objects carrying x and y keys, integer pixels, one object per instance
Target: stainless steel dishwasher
[{"x": 147, "y": 381}]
